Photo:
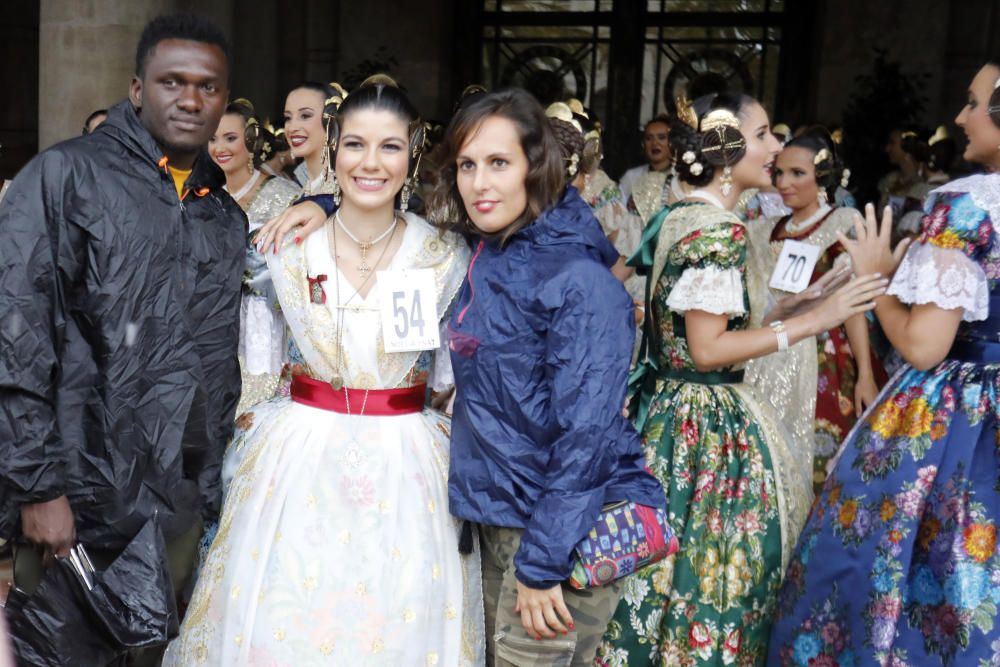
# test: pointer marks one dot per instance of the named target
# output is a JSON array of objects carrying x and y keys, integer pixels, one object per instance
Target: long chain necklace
[
  {"x": 364, "y": 246},
  {"x": 337, "y": 381}
]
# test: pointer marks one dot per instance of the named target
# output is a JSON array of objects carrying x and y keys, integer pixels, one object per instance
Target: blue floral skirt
[{"x": 898, "y": 562}]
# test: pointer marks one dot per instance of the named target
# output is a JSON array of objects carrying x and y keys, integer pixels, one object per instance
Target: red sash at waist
[{"x": 380, "y": 402}]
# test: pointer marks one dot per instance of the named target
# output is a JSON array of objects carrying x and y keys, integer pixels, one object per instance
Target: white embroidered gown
[{"x": 335, "y": 545}]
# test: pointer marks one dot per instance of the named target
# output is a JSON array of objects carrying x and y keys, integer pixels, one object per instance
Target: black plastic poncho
[{"x": 119, "y": 324}]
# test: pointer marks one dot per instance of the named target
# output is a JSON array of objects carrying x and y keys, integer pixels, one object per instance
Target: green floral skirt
[{"x": 711, "y": 603}]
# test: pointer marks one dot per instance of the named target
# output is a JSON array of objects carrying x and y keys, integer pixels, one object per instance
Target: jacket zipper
[{"x": 468, "y": 276}]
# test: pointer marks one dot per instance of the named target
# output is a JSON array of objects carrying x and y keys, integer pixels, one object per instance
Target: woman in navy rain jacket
[{"x": 541, "y": 339}]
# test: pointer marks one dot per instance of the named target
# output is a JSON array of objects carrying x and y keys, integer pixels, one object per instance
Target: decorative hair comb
[{"x": 686, "y": 113}]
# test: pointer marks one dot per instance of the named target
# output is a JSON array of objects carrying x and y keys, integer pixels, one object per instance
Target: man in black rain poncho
[{"x": 120, "y": 273}]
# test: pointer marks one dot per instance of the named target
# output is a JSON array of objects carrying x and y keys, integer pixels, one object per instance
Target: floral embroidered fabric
[
  {"x": 898, "y": 562},
  {"x": 719, "y": 455}
]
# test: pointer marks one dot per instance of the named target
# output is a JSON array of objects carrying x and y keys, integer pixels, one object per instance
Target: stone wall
[{"x": 946, "y": 40}]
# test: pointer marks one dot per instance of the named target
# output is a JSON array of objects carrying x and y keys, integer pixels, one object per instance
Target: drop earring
[
  {"x": 727, "y": 181},
  {"x": 822, "y": 198},
  {"x": 335, "y": 186},
  {"x": 250, "y": 165},
  {"x": 404, "y": 196}
]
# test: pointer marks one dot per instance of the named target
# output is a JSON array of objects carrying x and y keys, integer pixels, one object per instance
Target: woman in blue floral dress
[{"x": 898, "y": 563}]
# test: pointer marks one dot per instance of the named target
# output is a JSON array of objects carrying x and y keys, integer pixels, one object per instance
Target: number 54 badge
[{"x": 408, "y": 305}]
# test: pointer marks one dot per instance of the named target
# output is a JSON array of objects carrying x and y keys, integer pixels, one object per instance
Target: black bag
[{"x": 80, "y": 617}]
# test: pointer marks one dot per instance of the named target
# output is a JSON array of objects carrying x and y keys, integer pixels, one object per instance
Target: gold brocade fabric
[
  {"x": 263, "y": 341},
  {"x": 787, "y": 380},
  {"x": 650, "y": 193}
]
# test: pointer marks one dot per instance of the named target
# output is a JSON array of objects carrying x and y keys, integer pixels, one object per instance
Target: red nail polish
[
  {"x": 298, "y": 240},
  {"x": 571, "y": 626},
  {"x": 538, "y": 638}
]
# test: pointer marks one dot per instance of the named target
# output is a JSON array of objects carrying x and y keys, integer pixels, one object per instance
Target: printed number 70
[
  {"x": 796, "y": 264},
  {"x": 404, "y": 319}
]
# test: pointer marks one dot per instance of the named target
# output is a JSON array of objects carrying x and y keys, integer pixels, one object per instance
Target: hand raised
[
  {"x": 871, "y": 251},
  {"x": 857, "y": 296}
]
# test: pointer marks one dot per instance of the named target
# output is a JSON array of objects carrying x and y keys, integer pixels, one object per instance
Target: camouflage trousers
[{"x": 507, "y": 642}]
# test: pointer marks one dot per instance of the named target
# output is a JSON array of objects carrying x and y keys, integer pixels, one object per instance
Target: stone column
[{"x": 87, "y": 55}]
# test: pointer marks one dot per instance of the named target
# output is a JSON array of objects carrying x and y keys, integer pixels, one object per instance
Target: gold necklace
[
  {"x": 364, "y": 246},
  {"x": 337, "y": 381}
]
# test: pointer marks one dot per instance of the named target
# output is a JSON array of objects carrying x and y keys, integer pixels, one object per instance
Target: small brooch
[{"x": 316, "y": 293}]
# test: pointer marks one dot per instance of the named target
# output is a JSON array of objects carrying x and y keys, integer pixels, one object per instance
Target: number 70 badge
[
  {"x": 408, "y": 305},
  {"x": 795, "y": 266}
]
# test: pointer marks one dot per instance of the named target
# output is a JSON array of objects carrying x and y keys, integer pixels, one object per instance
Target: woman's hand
[
  {"x": 809, "y": 298},
  {"x": 307, "y": 217},
  {"x": 857, "y": 296},
  {"x": 538, "y": 609},
  {"x": 865, "y": 393},
  {"x": 871, "y": 251}
]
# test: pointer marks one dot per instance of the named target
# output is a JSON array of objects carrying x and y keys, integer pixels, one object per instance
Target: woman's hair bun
[
  {"x": 379, "y": 79},
  {"x": 827, "y": 163}
]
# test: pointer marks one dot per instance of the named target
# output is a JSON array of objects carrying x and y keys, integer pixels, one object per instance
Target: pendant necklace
[
  {"x": 337, "y": 381},
  {"x": 364, "y": 246}
]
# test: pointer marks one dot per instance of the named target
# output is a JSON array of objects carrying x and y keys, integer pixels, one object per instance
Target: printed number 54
[{"x": 404, "y": 318}]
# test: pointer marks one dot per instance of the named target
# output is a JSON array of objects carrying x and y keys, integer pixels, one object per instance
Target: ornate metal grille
[
  {"x": 702, "y": 46},
  {"x": 555, "y": 49}
]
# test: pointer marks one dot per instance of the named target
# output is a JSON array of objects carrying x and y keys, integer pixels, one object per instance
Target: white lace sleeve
[
  {"x": 442, "y": 375},
  {"x": 711, "y": 288},
  {"x": 945, "y": 277}
]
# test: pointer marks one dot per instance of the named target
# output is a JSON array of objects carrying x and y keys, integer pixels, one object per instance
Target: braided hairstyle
[
  {"x": 570, "y": 146},
  {"x": 593, "y": 151},
  {"x": 255, "y": 138},
  {"x": 697, "y": 153},
  {"x": 829, "y": 167},
  {"x": 915, "y": 145}
]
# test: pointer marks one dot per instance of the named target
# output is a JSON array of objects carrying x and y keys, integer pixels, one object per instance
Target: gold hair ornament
[
  {"x": 719, "y": 118},
  {"x": 574, "y": 162},
  {"x": 686, "y": 113},
  {"x": 939, "y": 135},
  {"x": 823, "y": 155},
  {"x": 563, "y": 112}
]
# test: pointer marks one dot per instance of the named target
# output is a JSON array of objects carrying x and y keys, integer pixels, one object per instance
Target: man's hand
[{"x": 49, "y": 525}]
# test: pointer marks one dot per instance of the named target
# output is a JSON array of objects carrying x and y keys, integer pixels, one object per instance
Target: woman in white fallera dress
[{"x": 335, "y": 544}]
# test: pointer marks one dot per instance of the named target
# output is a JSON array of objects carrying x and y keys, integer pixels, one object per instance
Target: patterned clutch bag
[{"x": 626, "y": 537}]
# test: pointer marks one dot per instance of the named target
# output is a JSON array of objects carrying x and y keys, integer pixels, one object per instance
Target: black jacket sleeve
[
  {"x": 325, "y": 202},
  {"x": 32, "y": 325}
]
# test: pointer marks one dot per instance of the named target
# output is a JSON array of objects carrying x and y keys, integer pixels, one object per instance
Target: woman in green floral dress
[{"x": 736, "y": 495}]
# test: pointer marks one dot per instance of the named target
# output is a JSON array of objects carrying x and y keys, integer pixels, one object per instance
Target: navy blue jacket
[{"x": 541, "y": 339}]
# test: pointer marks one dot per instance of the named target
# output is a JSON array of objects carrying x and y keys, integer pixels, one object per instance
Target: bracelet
[{"x": 778, "y": 327}]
